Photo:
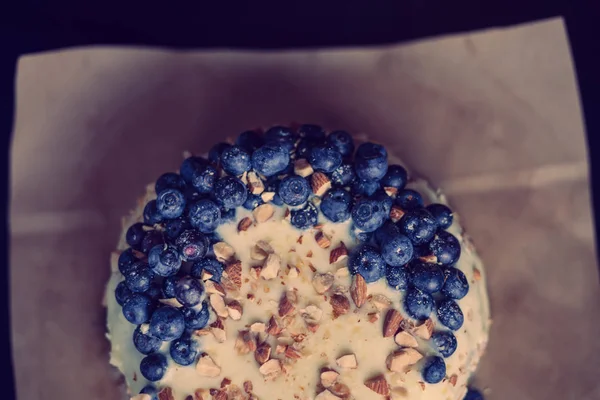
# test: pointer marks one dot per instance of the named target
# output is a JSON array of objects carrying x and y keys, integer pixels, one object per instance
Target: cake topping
[
  {"x": 207, "y": 367},
  {"x": 347, "y": 361},
  {"x": 379, "y": 385}
]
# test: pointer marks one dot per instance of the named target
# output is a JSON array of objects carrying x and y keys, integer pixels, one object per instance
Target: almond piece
[
  {"x": 262, "y": 353},
  {"x": 235, "y": 310},
  {"x": 207, "y": 367},
  {"x": 206, "y": 276},
  {"x": 255, "y": 184},
  {"x": 285, "y": 305},
  {"x": 234, "y": 273},
  {"x": 400, "y": 359},
  {"x": 312, "y": 313},
  {"x": 320, "y": 183},
  {"x": 303, "y": 168},
  {"x": 338, "y": 254},
  {"x": 166, "y": 393},
  {"x": 273, "y": 327},
  {"x": 242, "y": 342},
  {"x": 390, "y": 191},
  {"x": 323, "y": 282},
  {"x": 373, "y": 317},
  {"x": 322, "y": 240},
  {"x": 257, "y": 254},
  {"x": 173, "y": 302},
  {"x": 271, "y": 367},
  {"x": 292, "y": 352},
  {"x": 218, "y": 394},
  {"x": 429, "y": 258},
  {"x": 425, "y": 330},
  {"x": 218, "y": 304},
  {"x": 327, "y": 395},
  {"x": 392, "y": 322},
  {"x": 258, "y": 327},
  {"x": 380, "y": 301},
  {"x": 453, "y": 379},
  {"x": 293, "y": 272},
  {"x": 476, "y": 274},
  {"x": 248, "y": 387},
  {"x": 219, "y": 334},
  {"x": 263, "y": 213},
  {"x": 223, "y": 251},
  {"x": 328, "y": 378},
  {"x": 225, "y": 382},
  {"x": 271, "y": 267},
  {"x": 340, "y": 304},
  {"x": 213, "y": 287},
  {"x": 405, "y": 339},
  {"x": 347, "y": 361},
  {"x": 340, "y": 390},
  {"x": 358, "y": 290},
  {"x": 379, "y": 385},
  {"x": 396, "y": 213},
  {"x": 267, "y": 196},
  {"x": 244, "y": 224}
]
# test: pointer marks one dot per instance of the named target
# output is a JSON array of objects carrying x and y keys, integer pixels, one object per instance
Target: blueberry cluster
[{"x": 172, "y": 248}]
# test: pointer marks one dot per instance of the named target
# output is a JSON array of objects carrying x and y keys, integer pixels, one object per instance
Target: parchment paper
[{"x": 491, "y": 117}]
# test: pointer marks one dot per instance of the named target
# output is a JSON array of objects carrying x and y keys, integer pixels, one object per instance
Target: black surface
[{"x": 35, "y": 26}]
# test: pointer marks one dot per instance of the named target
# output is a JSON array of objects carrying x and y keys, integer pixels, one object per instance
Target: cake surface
[{"x": 305, "y": 307}]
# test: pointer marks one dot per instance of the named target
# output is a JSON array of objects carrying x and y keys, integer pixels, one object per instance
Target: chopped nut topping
[
  {"x": 327, "y": 395},
  {"x": 293, "y": 272},
  {"x": 225, "y": 382},
  {"x": 358, "y": 290},
  {"x": 166, "y": 393},
  {"x": 340, "y": 304},
  {"x": 271, "y": 267},
  {"x": 293, "y": 353},
  {"x": 429, "y": 258},
  {"x": 322, "y": 240},
  {"x": 244, "y": 343},
  {"x": 396, "y": 213},
  {"x": 391, "y": 325},
  {"x": 213, "y": 287},
  {"x": 267, "y": 196},
  {"x": 285, "y": 304},
  {"x": 218, "y": 304},
  {"x": 400, "y": 359},
  {"x": 312, "y": 313},
  {"x": 340, "y": 390},
  {"x": 323, "y": 282},
  {"x": 380, "y": 301},
  {"x": 271, "y": 368},
  {"x": 255, "y": 184},
  {"x": 244, "y": 224},
  {"x": 312, "y": 327},
  {"x": 347, "y": 361},
  {"x": 263, "y": 213},
  {"x": 405, "y": 339},
  {"x": 206, "y": 275},
  {"x": 173, "y": 302},
  {"x": 302, "y": 168},
  {"x": 218, "y": 394},
  {"x": 373, "y": 317},
  {"x": 342, "y": 272},
  {"x": 262, "y": 353},
  {"x": 223, "y": 251},
  {"x": 207, "y": 367},
  {"x": 338, "y": 254},
  {"x": 328, "y": 378},
  {"x": 258, "y": 327},
  {"x": 273, "y": 328},
  {"x": 234, "y": 273},
  {"x": 476, "y": 274},
  {"x": 379, "y": 385},
  {"x": 453, "y": 379},
  {"x": 248, "y": 387},
  {"x": 320, "y": 183},
  {"x": 390, "y": 191},
  {"x": 425, "y": 330},
  {"x": 235, "y": 310}
]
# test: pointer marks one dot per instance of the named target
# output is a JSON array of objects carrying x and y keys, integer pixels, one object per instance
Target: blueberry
[
  {"x": 418, "y": 225},
  {"x": 197, "y": 172},
  {"x": 442, "y": 214},
  {"x": 418, "y": 304},
  {"x": 311, "y": 131},
  {"x": 210, "y": 265},
  {"x": 367, "y": 262},
  {"x": 336, "y": 204},
  {"x": 154, "y": 366},
  {"x": 434, "y": 369},
  {"x": 164, "y": 260},
  {"x": 409, "y": 199},
  {"x": 385, "y": 200},
  {"x": 134, "y": 235},
  {"x": 184, "y": 350},
  {"x": 126, "y": 260},
  {"x": 151, "y": 214},
  {"x": 216, "y": 152},
  {"x": 150, "y": 390},
  {"x": 139, "y": 278},
  {"x": 364, "y": 188},
  {"x": 168, "y": 286},
  {"x": 456, "y": 285},
  {"x": 167, "y": 323},
  {"x": 396, "y": 250},
  {"x": 304, "y": 148},
  {"x": 445, "y": 342},
  {"x": 188, "y": 291},
  {"x": 370, "y": 161},
  {"x": 144, "y": 342},
  {"x": 450, "y": 314},
  {"x": 250, "y": 140},
  {"x": 272, "y": 185},
  {"x": 170, "y": 203},
  {"x": 230, "y": 192},
  {"x": 204, "y": 215},
  {"x": 235, "y": 160},
  {"x": 426, "y": 277},
  {"x": 152, "y": 239},
  {"x": 343, "y": 175},
  {"x": 325, "y": 158},
  {"x": 445, "y": 247},
  {"x": 138, "y": 308},
  {"x": 368, "y": 214},
  {"x": 305, "y": 217},
  {"x": 361, "y": 236},
  {"x": 122, "y": 293},
  {"x": 196, "y": 319},
  {"x": 342, "y": 142},
  {"x": 397, "y": 277},
  {"x": 387, "y": 230},
  {"x": 192, "y": 244},
  {"x": 395, "y": 176},
  {"x": 270, "y": 160},
  {"x": 473, "y": 394},
  {"x": 294, "y": 190},
  {"x": 170, "y": 180},
  {"x": 280, "y": 136},
  {"x": 174, "y": 227},
  {"x": 252, "y": 201}
]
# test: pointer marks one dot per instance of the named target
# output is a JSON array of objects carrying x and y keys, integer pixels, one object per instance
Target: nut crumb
[
  {"x": 244, "y": 224},
  {"x": 347, "y": 361},
  {"x": 358, "y": 290},
  {"x": 322, "y": 240},
  {"x": 263, "y": 213},
  {"x": 379, "y": 385},
  {"x": 271, "y": 267},
  {"x": 207, "y": 367},
  {"x": 323, "y": 282},
  {"x": 338, "y": 254},
  {"x": 223, "y": 251}
]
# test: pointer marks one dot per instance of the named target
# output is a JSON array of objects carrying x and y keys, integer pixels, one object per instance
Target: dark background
[{"x": 37, "y": 26}]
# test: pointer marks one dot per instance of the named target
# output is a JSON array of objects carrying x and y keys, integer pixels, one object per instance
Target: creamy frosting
[{"x": 353, "y": 333}]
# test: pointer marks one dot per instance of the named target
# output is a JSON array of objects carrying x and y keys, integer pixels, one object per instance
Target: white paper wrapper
[{"x": 492, "y": 118}]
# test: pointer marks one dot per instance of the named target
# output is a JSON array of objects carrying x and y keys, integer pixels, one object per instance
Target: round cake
[{"x": 295, "y": 263}]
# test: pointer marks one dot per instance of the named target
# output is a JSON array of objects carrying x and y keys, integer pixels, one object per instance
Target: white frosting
[{"x": 350, "y": 333}]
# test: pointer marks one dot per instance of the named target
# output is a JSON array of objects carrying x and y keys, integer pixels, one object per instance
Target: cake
[{"x": 293, "y": 263}]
